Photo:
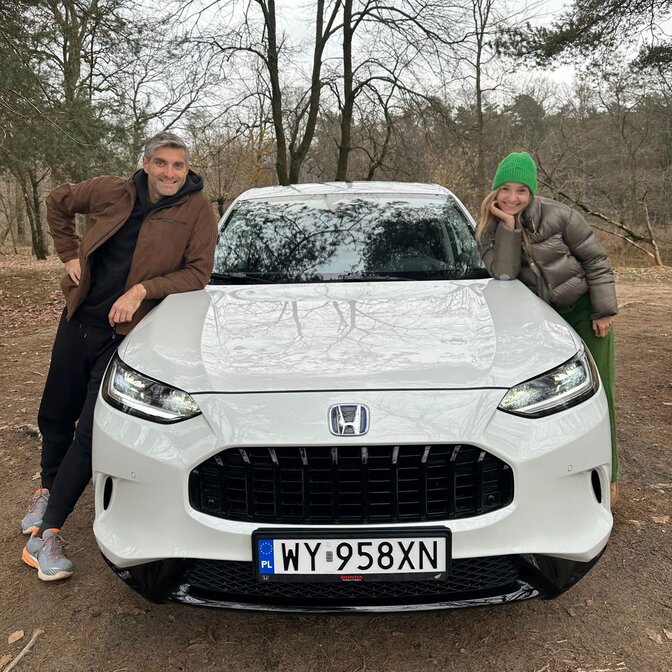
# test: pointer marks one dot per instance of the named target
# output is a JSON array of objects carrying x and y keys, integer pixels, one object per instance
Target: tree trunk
[
  {"x": 276, "y": 93},
  {"x": 348, "y": 100},
  {"x": 31, "y": 198},
  {"x": 481, "y": 25},
  {"x": 322, "y": 33}
]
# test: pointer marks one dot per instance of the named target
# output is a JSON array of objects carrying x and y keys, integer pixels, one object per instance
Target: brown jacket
[
  {"x": 555, "y": 253},
  {"x": 174, "y": 250}
]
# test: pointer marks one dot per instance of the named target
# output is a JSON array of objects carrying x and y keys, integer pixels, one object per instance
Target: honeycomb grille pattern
[{"x": 235, "y": 581}]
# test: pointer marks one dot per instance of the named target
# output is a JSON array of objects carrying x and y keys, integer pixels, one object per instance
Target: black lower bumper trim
[{"x": 472, "y": 582}]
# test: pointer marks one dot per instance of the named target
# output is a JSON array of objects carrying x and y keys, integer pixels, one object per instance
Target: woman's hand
[
  {"x": 601, "y": 325},
  {"x": 509, "y": 220}
]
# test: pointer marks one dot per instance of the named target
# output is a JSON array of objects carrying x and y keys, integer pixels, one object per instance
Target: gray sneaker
[
  {"x": 38, "y": 505},
  {"x": 45, "y": 554}
]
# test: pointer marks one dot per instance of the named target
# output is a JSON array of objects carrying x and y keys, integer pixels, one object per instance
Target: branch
[
  {"x": 652, "y": 241},
  {"x": 594, "y": 213},
  {"x": 25, "y": 650},
  {"x": 627, "y": 239},
  {"x": 48, "y": 119}
]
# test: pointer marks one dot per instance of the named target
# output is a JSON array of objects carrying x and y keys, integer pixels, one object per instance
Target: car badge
[{"x": 348, "y": 419}]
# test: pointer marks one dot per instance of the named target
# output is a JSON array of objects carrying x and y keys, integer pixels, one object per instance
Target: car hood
[{"x": 350, "y": 336}]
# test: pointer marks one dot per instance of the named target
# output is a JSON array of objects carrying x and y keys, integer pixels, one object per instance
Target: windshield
[{"x": 323, "y": 238}]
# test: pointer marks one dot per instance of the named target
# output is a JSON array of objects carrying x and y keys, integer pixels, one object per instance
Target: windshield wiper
[
  {"x": 474, "y": 274},
  {"x": 237, "y": 279},
  {"x": 364, "y": 277}
]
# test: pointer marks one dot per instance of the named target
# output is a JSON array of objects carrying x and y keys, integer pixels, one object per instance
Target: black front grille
[
  {"x": 226, "y": 581},
  {"x": 351, "y": 484}
]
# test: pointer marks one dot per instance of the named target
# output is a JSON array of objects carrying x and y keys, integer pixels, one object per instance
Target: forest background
[{"x": 294, "y": 91}]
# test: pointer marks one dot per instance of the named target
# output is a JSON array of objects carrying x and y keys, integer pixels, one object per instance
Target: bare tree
[
  {"x": 411, "y": 37},
  {"x": 256, "y": 35},
  {"x": 158, "y": 83}
]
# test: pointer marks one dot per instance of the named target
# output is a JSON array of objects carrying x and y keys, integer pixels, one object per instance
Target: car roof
[{"x": 345, "y": 188}]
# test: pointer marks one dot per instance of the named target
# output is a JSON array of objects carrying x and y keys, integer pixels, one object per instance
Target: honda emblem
[{"x": 349, "y": 419}]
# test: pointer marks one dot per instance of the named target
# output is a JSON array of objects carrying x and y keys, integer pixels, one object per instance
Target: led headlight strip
[
  {"x": 136, "y": 394},
  {"x": 568, "y": 385}
]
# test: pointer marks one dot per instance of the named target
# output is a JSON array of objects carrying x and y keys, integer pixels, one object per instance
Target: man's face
[{"x": 166, "y": 172}]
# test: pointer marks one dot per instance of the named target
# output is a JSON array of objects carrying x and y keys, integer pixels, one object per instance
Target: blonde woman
[{"x": 551, "y": 249}]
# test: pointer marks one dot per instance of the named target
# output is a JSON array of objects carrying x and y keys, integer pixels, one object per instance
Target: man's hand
[
  {"x": 601, "y": 325},
  {"x": 125, "y": 306},
  {"x": 74, "y": 270}
]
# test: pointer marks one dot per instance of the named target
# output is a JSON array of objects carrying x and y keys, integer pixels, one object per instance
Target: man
[{"x": 146, "y": 237}]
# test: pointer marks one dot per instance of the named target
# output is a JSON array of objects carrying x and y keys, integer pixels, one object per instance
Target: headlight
[
  {"x": 568, "y": 385},
  {"x": 135, "y": 394}
]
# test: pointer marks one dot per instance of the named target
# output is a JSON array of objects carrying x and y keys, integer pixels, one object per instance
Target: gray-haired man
[{"x": 146, "y": 237}]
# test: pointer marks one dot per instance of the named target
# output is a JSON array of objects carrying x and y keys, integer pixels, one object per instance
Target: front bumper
[
  {"x": 472, "y": 582},
  {"x": 554, "y": 530}
]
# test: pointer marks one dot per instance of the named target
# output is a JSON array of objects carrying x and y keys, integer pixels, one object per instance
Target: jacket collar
[
  {"x": 136, "y": 186},
  {"x": 531, "y": 216}
]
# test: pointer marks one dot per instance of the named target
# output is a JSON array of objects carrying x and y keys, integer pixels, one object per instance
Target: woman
[{"x": 551, "y": 248}]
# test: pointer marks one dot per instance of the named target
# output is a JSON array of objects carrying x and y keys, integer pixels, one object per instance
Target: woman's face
[{"x": 513, "y": 198}]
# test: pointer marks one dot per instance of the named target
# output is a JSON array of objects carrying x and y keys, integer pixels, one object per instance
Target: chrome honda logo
[{"x": 349, "y": 419}]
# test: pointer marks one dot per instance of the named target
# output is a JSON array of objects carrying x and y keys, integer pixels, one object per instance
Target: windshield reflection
[{"x": 320, "y": 238}]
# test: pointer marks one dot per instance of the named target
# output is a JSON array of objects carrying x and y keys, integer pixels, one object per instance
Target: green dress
[{"x": 603, "y": 352}]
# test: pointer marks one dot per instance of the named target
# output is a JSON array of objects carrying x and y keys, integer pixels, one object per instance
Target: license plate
[{"x": 344, "y": 555}]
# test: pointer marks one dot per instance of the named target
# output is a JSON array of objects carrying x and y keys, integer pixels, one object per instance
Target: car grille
[
  {"x": 351, "y": 484},
  {"x": 228, "y": 581}
]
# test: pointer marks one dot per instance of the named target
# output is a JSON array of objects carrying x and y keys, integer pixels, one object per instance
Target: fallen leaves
[
  {"x": 29, "y": 293},
  {"x": 16, "y": 636},
  {"x": 131, "y": 610},
  {"x": 26, "y": 649},
  {"x": 207, "y": 639},
  {"x": 662, "y": 520},
  {"x": 195, "y": 646},
  {"x": 654, "y": 636},
  {"x": 33, "y": 431},
  {"x": 4, "y": 660}
]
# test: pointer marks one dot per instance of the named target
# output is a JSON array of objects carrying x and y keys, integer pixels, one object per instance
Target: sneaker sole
[
  {"x": 28, "y": 531},
  {"x": 29, "y": 559},
  {"x": 53, "y": 577}
]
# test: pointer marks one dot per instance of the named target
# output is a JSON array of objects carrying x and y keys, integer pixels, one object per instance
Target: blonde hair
[{"x": 486, "y": 218}]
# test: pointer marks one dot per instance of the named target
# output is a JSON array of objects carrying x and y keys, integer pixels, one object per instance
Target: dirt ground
[{"x": 618, "y": 618}]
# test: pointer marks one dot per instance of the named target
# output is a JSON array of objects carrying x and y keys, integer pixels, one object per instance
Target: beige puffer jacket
[{"x": 555, "y": 253}]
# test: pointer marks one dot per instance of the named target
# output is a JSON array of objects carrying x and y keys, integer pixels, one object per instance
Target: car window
[{"x": 325, "y": 238}]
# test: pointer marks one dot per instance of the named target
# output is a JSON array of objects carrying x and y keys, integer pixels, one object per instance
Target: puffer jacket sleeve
[
  {"x": 500, "y": 248},
  {"x": 585, "y": 246}
]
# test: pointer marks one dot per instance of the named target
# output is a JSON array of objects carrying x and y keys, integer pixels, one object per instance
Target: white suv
[{"x": 351, "y": 416}]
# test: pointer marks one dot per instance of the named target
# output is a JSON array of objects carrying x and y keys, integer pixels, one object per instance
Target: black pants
[{"x": 78, "y": 361}]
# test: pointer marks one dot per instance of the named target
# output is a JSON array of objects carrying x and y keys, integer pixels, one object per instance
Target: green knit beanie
[{"x": 517, "y": 167}]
